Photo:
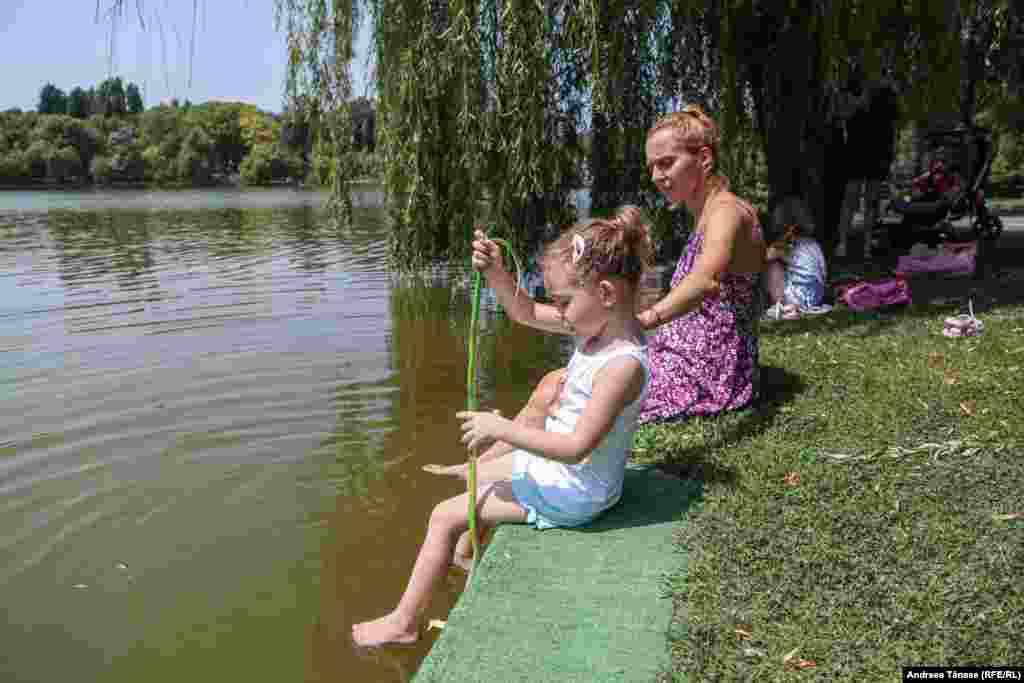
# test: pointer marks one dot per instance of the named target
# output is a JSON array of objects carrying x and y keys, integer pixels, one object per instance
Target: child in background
[
  {"x": 569, "y": 471},
  {"x": 795, "y": 269}
]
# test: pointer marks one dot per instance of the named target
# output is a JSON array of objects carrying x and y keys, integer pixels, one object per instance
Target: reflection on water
[{"x": 214, "y": 412}]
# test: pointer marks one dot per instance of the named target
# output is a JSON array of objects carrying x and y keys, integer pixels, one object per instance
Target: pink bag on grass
[
  {"x": 867, "y": 295},
  {"x": 950, "y": 259}
]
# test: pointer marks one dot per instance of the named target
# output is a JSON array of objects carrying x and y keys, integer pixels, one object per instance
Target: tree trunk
[{"x": 789, "y": 99}]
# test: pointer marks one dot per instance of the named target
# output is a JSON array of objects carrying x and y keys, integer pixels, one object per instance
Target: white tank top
[{"x": 596, "y": 483}]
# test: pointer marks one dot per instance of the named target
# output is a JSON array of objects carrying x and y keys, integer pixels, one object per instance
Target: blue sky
[{"x": 239, "y": 55}]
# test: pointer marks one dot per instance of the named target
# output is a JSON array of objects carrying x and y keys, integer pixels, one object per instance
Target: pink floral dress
[{"x": 706, "y": 362}]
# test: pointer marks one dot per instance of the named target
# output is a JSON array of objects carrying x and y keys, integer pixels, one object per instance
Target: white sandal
[{"x": 964, "y": 325}]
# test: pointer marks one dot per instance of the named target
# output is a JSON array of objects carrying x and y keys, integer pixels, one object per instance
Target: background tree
[
  {"x": 133, "y": 99},
  {"x": 111, "y": 98},
  {"x": 52, "y": 100},
  {"x": 78, "y": 103},
  {"x": 486, "y": 99}
]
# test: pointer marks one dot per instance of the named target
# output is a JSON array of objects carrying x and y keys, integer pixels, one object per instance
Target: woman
[{"x": 704, "y": 354}]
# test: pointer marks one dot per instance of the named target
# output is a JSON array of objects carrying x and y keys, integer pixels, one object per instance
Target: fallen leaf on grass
[
  {"x": 744, "y": 633},
  {"x": 951, "y": 380},
  {"x": 1008, "y": 518},
  {"x": 935, "y": 359},
  {"x": 793, "y": 478},
  {"x": 968, "y": 407},
  {"x": 436, "y": 623},
  {"x": 795, "y": 662}
]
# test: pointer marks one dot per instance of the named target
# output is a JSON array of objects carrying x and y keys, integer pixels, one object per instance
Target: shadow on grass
[
  {"x": 648, "y": 497},
  {"x": 671, "y": 444}
]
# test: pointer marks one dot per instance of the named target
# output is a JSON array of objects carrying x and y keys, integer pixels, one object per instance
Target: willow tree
[{"x": 482, "y": 104}]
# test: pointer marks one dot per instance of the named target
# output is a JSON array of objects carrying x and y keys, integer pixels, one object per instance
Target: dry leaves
[
  {"x": 968, "y": 407},
  {"x": 792, "y": 478},
  {"x": 744, "y": 633},
  {"x": 936, "y": 359},
  {"x": 794, "y": 662}
]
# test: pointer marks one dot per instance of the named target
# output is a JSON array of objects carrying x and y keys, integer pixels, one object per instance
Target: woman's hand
[
  {"x": 486, "y": 254},
  {"x": 480, "y": 429},
  {"x": 649, "y": 319}
]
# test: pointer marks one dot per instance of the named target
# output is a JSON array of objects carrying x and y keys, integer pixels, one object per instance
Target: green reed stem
[
  {"x": 471, "y": 404},
  {"x": 472, "y": 399}
]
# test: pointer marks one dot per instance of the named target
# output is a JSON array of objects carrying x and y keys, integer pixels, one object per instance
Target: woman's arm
[
  {"x": 722, "y": 232},
  {"x": 521, "y": 307},
  {"x": 616, "y": 385}
]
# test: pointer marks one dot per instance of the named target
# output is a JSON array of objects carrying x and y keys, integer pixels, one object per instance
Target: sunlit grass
[{"x": 863, "y": 515}]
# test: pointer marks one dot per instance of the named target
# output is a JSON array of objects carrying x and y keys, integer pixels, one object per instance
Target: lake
[{"x": 214, "y": 410}]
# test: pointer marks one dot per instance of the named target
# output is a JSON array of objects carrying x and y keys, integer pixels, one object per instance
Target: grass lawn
[{"x": 868, "y": 514}]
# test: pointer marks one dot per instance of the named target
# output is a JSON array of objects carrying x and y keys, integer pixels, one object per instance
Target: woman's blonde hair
[
  {"x": 619, "y": 246},
  {"x": 697, "y": 130}
]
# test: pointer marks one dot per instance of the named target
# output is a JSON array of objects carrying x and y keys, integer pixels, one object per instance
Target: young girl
[
  {"x": 570, "y": 470},
  {"x": 795, "y": 269}
]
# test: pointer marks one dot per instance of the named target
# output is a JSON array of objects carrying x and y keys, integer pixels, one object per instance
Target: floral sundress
[{"x": 706, "y": 362}]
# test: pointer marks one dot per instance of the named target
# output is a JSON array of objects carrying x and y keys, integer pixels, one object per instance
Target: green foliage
[
  {"x": 487, "y": 99},
  {"x": 13, "y": 167},
  {"x": 36, "y": 157},
  {"x": 78, "y": 104},
  {"x": 320, "y": 48},
  {"x": 1006, "y": 117},
  {"x": 101, "y": 170},
  {"x": 164, "y": 145},
  {"x": 256, "y": 168},
  {"x": 194, "y": 163},
  {"x": 110, "y": 98},
  {"x": 63, "y": 163},
  {"x": 133, "y": 99},
  {"x": 221, "y": 123},
  {"x": 64, "y": 131},
  {"x": 266, "y": 164},
  {"x": 257, "y": 127},
  {"x": 52, "y": 100}
]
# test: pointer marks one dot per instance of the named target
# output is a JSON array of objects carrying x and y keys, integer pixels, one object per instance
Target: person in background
[
  {"x": 870, "y": 148},
  {"x": 795, "y": 270},
  {"x": 936, "y": 183}
]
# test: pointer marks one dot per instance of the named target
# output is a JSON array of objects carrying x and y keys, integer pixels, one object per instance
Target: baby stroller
[{"x": 929, "y": 216}]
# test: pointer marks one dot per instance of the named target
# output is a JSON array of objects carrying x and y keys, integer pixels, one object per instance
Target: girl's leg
[
  {"x": 495, "y": 503},
  {"x": 774, "y": 281}
]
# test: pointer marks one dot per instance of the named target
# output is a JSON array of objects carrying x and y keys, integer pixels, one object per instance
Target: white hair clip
[{"x": 578, "y": 247}]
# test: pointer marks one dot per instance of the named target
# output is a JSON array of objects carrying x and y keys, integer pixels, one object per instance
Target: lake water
[{"x": 214, "y": 410}]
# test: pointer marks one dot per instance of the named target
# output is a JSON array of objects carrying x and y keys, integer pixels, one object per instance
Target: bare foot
[
  {"x": 389, "y": 629},
  {"x": 447, "y": 470}
]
